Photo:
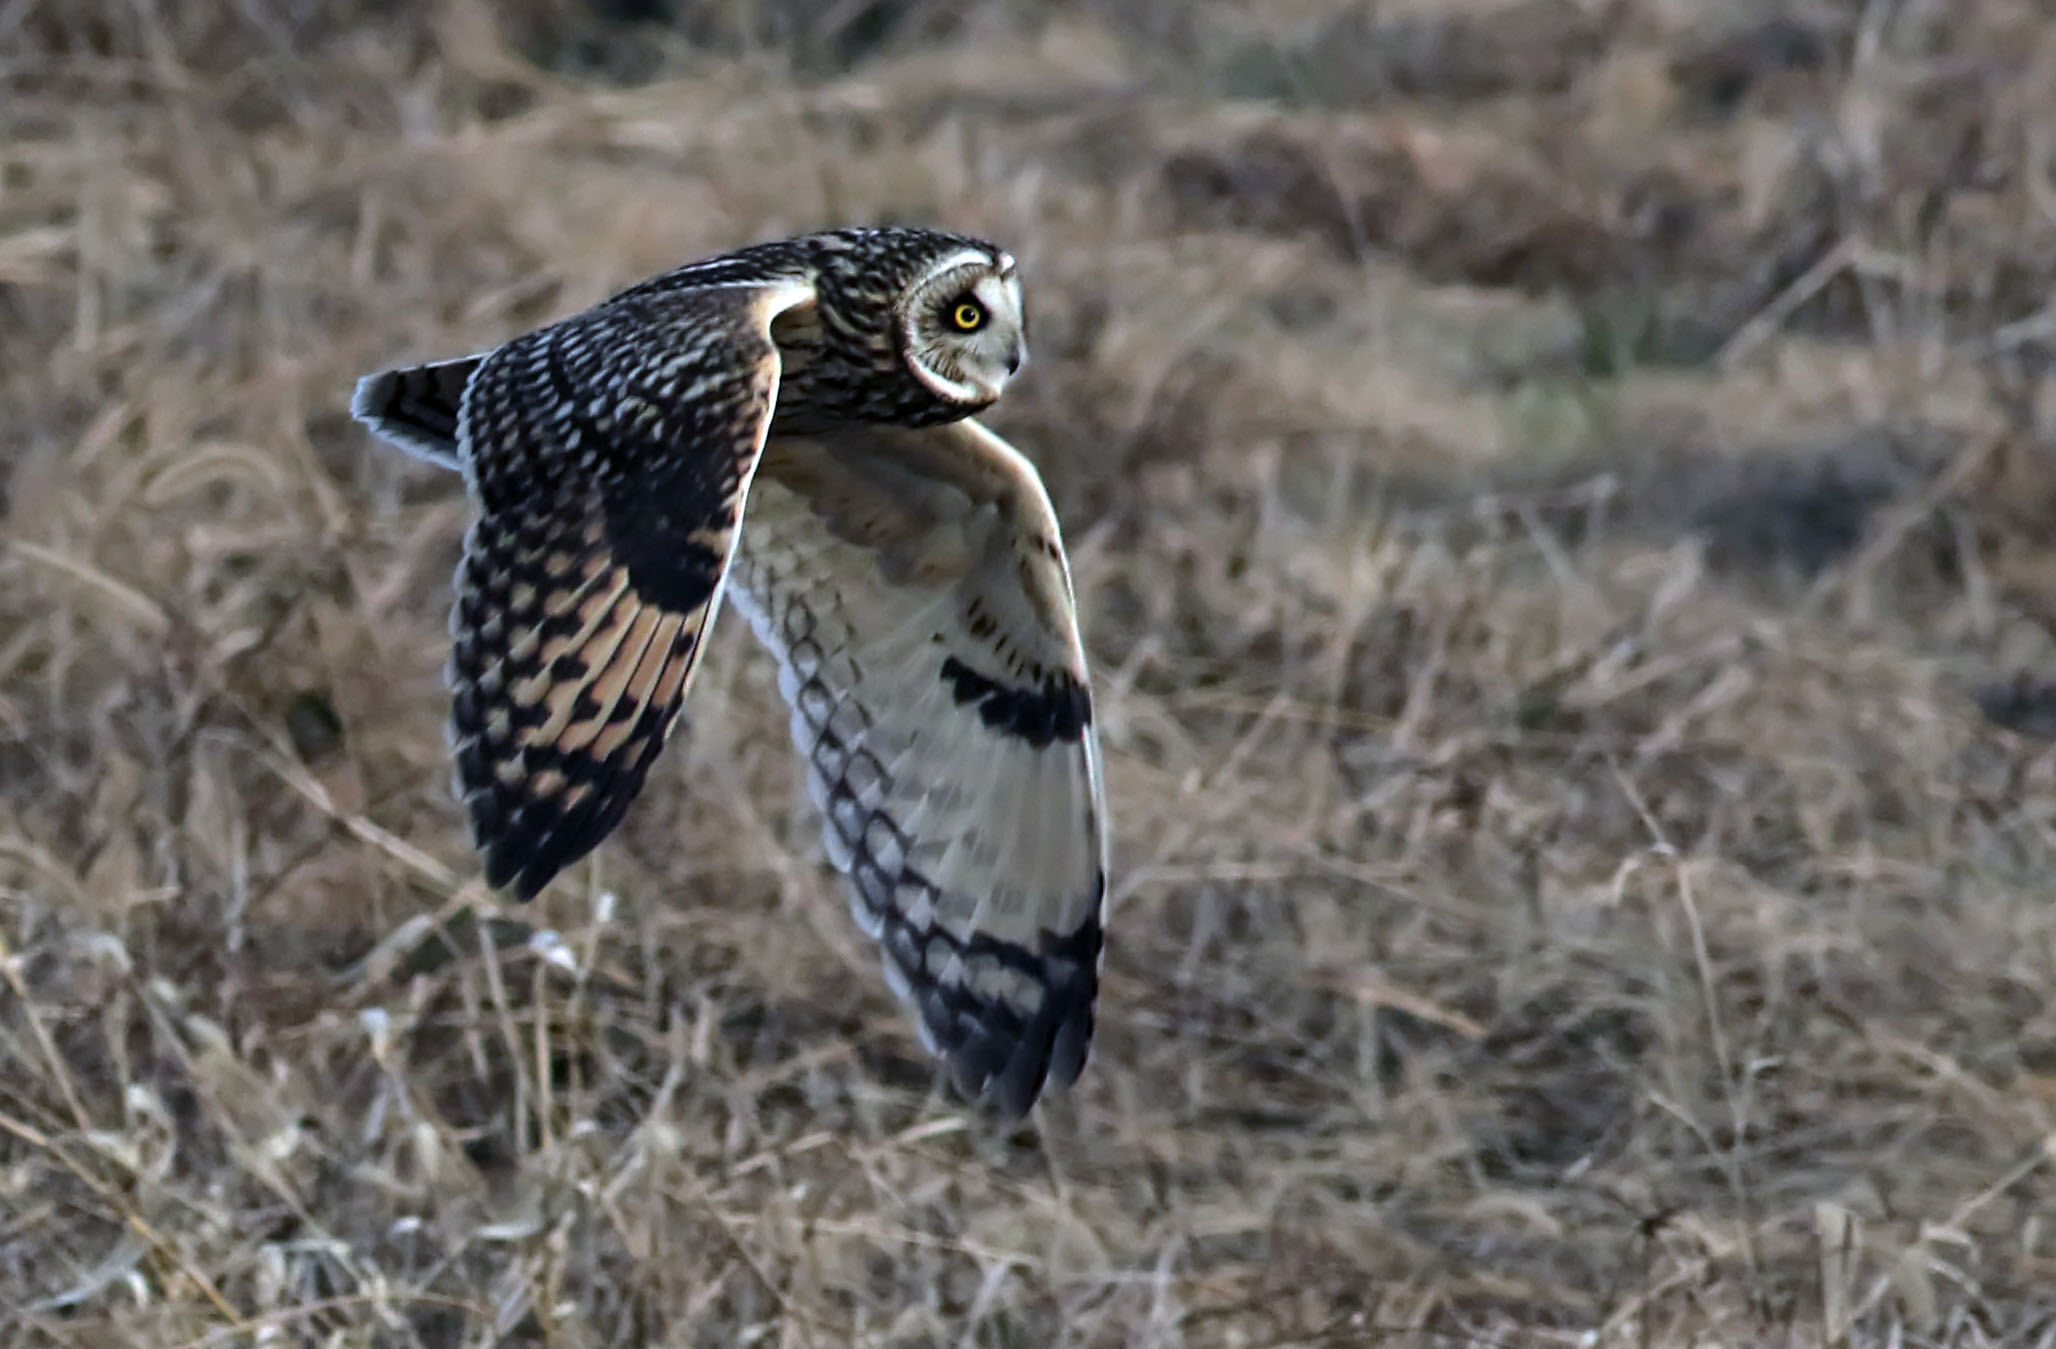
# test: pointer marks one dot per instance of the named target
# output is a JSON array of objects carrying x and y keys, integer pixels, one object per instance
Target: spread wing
[
  {"x": 609, "y": 455},
  {"x": 913, "y": 586}
]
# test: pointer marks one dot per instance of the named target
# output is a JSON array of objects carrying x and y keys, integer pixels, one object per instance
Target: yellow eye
[{"x": 968, "y": 315}]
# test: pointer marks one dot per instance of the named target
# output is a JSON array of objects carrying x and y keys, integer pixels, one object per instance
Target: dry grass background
[{"x": 1561, "y": 495}]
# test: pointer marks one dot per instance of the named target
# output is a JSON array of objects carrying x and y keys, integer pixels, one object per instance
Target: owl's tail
[{"x": 415, "y": 407}]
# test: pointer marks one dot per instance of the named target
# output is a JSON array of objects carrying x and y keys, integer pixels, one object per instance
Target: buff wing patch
[
  {"x": 566, "y": 682},
  {"x": 913, "y": 587}
]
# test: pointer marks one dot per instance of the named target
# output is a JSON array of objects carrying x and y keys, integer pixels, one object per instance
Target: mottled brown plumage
[{"x": 793, "y": 418}]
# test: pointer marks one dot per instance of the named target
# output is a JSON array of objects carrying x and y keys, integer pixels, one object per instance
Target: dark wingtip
[
  {"x": 530, "y": 880},
  {"x": 508, "y": 854},
  {"x": 524, "y": 848},
  {"x": 526, "y": 842},
  {"x": 1005, "y": 1064}
]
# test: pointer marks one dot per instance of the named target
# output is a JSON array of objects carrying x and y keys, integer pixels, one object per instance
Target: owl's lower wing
[
  {"x": 609, "y": 455},
  {"x": 913, "y": 586}
]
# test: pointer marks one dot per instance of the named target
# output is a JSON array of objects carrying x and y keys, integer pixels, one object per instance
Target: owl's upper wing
[
  {"x": 912, "y": 584},
  {"x": 609, "y": 455}
]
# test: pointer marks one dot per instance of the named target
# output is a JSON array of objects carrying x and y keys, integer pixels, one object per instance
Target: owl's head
[
  {"x": 961, "y": 328},
  {"x": 899, "y": 301}
]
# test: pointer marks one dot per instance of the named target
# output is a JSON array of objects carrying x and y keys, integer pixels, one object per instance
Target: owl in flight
[{"x": 792, "y": 425}]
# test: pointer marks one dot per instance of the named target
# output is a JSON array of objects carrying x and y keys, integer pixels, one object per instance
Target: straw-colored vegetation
[{"x": 1560, "y": 495}]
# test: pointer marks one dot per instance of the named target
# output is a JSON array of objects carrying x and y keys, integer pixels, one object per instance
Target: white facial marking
[{"x": 965, "y": 366}]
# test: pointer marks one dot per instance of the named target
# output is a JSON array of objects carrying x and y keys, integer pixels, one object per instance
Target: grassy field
[{"x": 1563, "y": 499}]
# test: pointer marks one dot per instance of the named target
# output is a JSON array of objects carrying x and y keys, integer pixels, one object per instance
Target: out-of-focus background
[{"x": 1561, "y": 498}]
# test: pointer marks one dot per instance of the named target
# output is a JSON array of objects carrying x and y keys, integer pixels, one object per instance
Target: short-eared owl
[{"x": 791, "y": 424}]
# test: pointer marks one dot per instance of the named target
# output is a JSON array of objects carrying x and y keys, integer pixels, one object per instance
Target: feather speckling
[{"x": 792, "y": 424}]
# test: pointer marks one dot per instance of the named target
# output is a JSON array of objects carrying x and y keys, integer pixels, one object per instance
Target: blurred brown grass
[{"x": 1561, "y": 497}]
